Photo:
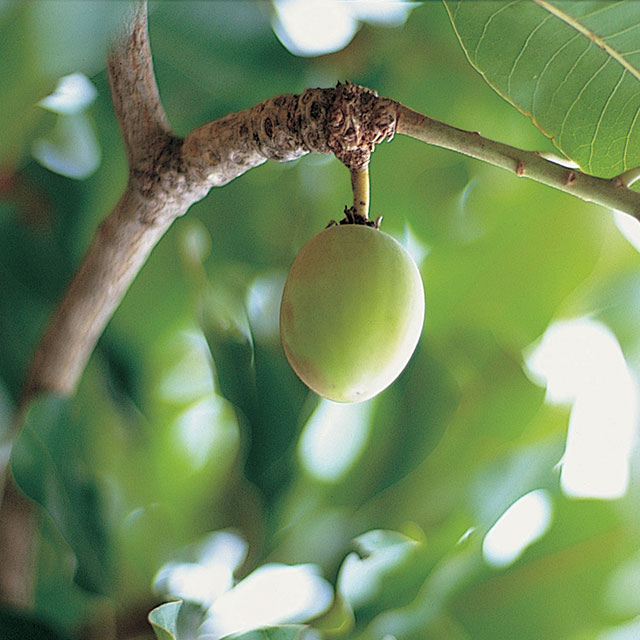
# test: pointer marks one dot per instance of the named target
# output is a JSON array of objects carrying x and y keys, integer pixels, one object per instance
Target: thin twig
[{"x": 608, "y": 192}]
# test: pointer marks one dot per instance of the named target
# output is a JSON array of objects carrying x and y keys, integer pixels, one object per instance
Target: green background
[{"x": 448, "y": 447}]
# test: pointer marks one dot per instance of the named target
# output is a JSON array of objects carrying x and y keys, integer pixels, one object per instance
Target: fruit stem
[{"x": 360, "y": 186}]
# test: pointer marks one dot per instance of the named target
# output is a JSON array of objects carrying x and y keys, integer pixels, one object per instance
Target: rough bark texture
[{"x": 347, "y": 120}]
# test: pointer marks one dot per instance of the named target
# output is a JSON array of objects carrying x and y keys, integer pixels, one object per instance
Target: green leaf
[
  {"x": 164, "y": 619},
  {"x": 379, "y": 575},
  {"x": 71, "y": 148},
  {"x": 176, "y": 620},
  {"x": 254, "y": 375},
  {"x": 231, "y": 343},
  {"x": 285, "y": 632},
  {"x": 49, "y": 464},
  {"x": 409, "y": 419},
  {"x": 575, "y": 561},
  {"x": 572, "y": 67},
  {"x": 416, "y": 409}
]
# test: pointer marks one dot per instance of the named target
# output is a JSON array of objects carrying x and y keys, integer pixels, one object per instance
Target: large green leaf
[
  {"x": 48, "y": 463},
  {"x": 573, "y": 67}
]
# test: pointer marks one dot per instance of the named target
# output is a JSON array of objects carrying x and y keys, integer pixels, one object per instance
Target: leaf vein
[
  {"x": 619, "y": 33},
  {"x": 546, "y": 67},
  {"x": 522, "y": 50},
  {"x": 611, "y": 5},
  {"x": 577, "y": 98},
  {"x": 601, "y": 117},
  {"x": 625, "y": 154},
  {"x": 588, "y": 33},
  {"x": 568, "y": 75},
  {"x": 488, "y": 22}
]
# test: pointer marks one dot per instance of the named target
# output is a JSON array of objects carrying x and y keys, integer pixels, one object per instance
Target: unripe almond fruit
[{"x": 352, "y": 312}]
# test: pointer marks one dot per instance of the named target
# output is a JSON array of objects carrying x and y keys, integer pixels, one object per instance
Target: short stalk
[{"x": 360, "y": 186}]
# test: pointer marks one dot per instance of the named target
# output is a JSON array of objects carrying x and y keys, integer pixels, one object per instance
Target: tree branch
[
  {"x": 612, "y": 192},
  {"x": 134, "y": 91}
]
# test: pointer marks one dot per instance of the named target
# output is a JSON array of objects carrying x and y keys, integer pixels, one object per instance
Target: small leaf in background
[
  {"x": 573, "y": 67},
  {"x": 367, "y": 577},
  {"x": 203, "y": 572},
  {"x": 228, "y": 334},
  {"x": 49, "y": 464},
  {"x": 71, "y": 148},
  {"x": 164, "y": 618},
  {"x": 39, "y": 43},
  {"x": 202, "y": 575},
  {"x": 252, "y": 372},
  {"x": 522, "y": 524},
  {"x": 176, "y": 621},
  {"x": 272, "y": 594},
  {"x": 73, "y": 94},
  {"x": 289, "y": 632}
]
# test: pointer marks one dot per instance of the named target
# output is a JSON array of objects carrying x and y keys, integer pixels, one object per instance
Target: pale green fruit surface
[{"x": 352, "y": 312}]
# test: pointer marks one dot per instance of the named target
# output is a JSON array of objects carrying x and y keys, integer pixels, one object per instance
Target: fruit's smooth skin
[{"x": 352, "y": 312}]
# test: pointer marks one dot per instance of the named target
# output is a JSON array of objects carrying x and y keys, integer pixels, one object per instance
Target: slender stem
[
  {"x": 630, "y": 176},
  {"x": 608, "y": 192},
  {"x": 360, "y": 186}
]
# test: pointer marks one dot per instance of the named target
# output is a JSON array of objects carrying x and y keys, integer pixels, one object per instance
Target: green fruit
[{"x": 352, "y": 312}]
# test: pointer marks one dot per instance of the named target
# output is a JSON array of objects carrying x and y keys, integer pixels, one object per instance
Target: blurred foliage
[{"x": 188, "y": 419}]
